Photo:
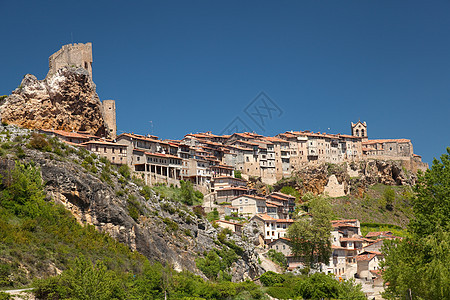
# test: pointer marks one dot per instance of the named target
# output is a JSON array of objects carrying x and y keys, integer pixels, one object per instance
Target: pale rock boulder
[{"x": 66, "y": 100}]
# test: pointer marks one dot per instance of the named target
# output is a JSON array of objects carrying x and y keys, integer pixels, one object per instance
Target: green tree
[
  {"x": 418, "y": 266},
  {"x": 310, "y": 235},
  {"x": 83, "y": 280},
  {"x": 237, "y": 174}
]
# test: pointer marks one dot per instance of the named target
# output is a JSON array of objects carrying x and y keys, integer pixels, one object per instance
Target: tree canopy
[
  {"x": 310, "y": 234},
  {"x": 418, "y": 266}
]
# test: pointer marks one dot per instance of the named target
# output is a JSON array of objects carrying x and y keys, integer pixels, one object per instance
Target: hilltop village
[{"x": 221, "y": 166}]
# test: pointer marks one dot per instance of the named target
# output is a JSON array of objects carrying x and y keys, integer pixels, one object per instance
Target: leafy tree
[
  {"x": 389, "y": 198},
  {"x": 417, "y": 267},
  {"x": 188, "y": 195},
  {"x": 237, "y": 174},
  {"x": 318, "y": 286},
  {"x": 310, "y": 235},
  {"x": 289, "y": 190},
  {"x": 83, "y": 280}
]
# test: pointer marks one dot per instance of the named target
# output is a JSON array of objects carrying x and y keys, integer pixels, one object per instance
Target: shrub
[
  {"x": 237, "y": 174},
  {"x": 213, "y": 215},
  {"x": 271, "y": 278},
  {"x": 125, "y": 171},
  {"x": 146, "y": 192},
  {"x": 277, "y": 257},
  {"x": 171, "y": 225},
  {"x": 39, "y": 142}
]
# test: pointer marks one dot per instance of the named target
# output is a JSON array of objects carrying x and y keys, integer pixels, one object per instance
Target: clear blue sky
[{"x": 176, "y": 67}]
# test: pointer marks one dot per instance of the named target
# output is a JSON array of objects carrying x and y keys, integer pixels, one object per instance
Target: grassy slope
[{"x": 371, "y": 208}]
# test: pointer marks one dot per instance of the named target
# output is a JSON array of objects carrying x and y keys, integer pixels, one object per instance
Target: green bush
[
  {"x": 277, "y": 257},
  {"x": 125, "y": 171},
  {"x": 271, "y": 278},
  {"x": 171, "y": 225}
]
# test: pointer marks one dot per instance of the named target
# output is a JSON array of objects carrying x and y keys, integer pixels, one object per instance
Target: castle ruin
[
  {"x": 79, "y": 55},
  {"x": 71, "y": 55}
]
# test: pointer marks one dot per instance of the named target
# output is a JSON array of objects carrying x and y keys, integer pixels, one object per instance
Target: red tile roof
[
  {"x": 378, "y": 233},
  {"x": 381, "y": 141}
]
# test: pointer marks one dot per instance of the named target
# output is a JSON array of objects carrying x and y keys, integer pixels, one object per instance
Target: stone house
[
  {"x": 272, "y": 228},
  {"x": 115, "y": 153},
  {"x": 366, "y": 262},
  {"x": 234, "y": 227},
  {"x": 157, "y": 167},
  {"x": 287, "y": 202},
  {"x": 249, "y": 205},
  {"x": 229, "y": 193},
  {"x": 228, "y": 182}
]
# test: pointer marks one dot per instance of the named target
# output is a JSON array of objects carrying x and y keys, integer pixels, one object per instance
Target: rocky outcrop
[
  {"x": 338, "y": 180},
  {"x": 66, "y": 100}
]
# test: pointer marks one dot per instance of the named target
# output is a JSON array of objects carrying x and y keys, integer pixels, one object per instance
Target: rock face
[
  {"x": 66, "y": 100},
  {"x": 338, "y": 180}
]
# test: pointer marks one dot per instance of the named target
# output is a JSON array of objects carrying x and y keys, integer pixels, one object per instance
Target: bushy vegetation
[
  {"x": 35, "y": 233},
  {"x": 277, "y": 257},
  {"x": 316, "y": 286},
  {"x": 184, "y": 194}
]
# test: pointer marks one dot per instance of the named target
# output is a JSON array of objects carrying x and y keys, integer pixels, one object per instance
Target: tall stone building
[
  {"x": 109, "y": 114},
  {"x": 77, "y": 54}
]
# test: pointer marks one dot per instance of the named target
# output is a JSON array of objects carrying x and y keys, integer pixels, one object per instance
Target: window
[
  {"x": 268, "y": 232},
  {"x": 104, "y": 150}
]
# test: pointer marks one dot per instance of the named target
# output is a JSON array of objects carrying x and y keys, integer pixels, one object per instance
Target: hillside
[{"x": 101, "y": 198}]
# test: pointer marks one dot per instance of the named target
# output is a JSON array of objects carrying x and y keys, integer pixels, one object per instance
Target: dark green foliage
[
  {"x": 213, "y": 215},
  {"x": 289, "y": 190},
  {"x": 310, "y": 236},
  {"x": 237, "y": 174},
  {"x": 146, "y": 192},
  {"x": 83, "y": 280},
  {"x": 125, "y": 171},
  {"x": 188, "y": 195},
  {"x": 210, "y": 265},
  {"x": 134, "y": 207},
  {"x": 318, "y": 286},
  {"x": 171, "y": 225},
  {"x": 271, "y": 279},
  {"x": 5, "y": 296},
  {"x": 277, "y": 257},
  {"x": 417, "y": 266}
]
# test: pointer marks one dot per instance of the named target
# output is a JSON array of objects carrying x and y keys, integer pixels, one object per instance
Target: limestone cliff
[
  {"x": 341, "y": 179},
  {"x": 65, "y": 100}
]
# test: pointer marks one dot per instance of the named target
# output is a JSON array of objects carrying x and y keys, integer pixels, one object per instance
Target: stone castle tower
[
  {"x": 78, "y": 55},
  {"x": 359, "y": 129},
  {"x": 109, "y": 114}
]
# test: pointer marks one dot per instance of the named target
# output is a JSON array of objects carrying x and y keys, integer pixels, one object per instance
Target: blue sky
[{"x": 176, "y": 67}]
